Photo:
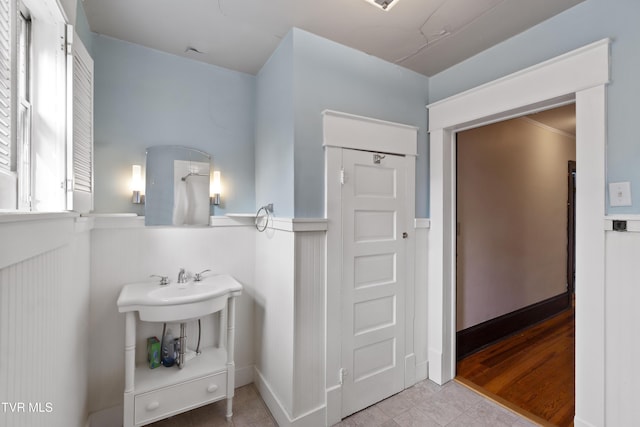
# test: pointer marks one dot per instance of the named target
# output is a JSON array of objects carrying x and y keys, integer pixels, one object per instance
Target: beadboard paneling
[
  {"x": 290, "y": 323},
  {"x": 309, "y": 314},
  {"x": 44, "y": 303},
  {"x": 622, "y": 326},
  {"x": 420, "y": 331}
]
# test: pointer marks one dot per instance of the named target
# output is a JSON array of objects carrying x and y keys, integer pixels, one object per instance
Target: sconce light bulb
[
  {"x": 216, "y": 186},
  {"x": 136, "y": 178},
  {"x": 137, "y": 185}
]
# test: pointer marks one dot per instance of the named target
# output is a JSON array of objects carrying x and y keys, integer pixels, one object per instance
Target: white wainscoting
[
  {"x": 274, "y": 316},
  {"x": 44, "y": 311},
  {"x": 309, "y": 315},
  {"x": 130, "y": 253},
  {"x": 420, "y": 326},
  {"x": 62, "y": 336},
  {"x": 622, "y": 323},
  {"x": 290, "y": 320}
]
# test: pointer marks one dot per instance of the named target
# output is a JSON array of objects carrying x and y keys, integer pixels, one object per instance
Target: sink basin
[{"x": 178, "y": 302}]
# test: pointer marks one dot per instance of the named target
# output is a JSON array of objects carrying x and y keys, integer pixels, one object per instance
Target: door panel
[
  {"x": 373, "y": 203},
  {"x": 373, "y": 270},
  {"x": 371, "y": 225},
  {"x": 374, "y": 181},
  {"x": 374, "y": 314}
]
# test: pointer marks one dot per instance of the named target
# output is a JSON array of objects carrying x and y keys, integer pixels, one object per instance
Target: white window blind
[
  {"x": 6, "y": 158},
  {"x": 82, "y": 144}
]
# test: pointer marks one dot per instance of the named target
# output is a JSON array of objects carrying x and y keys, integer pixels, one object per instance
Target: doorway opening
[
  {"x": 515, "y": 262},
  {"x": 553, "y": 82}
]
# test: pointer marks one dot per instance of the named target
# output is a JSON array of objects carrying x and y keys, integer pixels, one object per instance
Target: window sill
[{"x": 7, "y": 217}]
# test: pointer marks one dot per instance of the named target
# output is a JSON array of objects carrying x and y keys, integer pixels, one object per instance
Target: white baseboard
[
  {"x": 334, "y": 405},
  {"x": 244, "y": 376},
  {"x": 422, "y": 371},
  {"x": 577, "y": 422},
  {"x": 273, "y": 403},
  {"x": 313, "y": 418},
  {"x": 409, "y": 370},
  {"x": 435, "y": 367},
  {"x": 110, "y": 417}
]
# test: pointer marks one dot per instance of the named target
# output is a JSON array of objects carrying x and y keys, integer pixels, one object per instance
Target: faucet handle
[
  {"x": 164, "y": 280},
  {"x": 198, "y": 276}
]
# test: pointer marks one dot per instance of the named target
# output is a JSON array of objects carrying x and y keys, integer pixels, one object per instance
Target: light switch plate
[{"x": 620, "y": 193}]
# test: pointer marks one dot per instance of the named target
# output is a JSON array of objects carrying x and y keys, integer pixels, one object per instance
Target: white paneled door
[{"x": 373, "y": 283}]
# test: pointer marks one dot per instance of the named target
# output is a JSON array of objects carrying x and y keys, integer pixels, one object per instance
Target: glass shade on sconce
[
  {"x": 136, "y": 185},
  {"x": 215, "y": 189}
]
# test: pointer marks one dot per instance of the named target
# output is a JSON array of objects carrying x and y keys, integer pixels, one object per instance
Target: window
[
  {"x": 6, "y": 160},
  {"x": 7, "y": 149},
  {"x": 46, "y": 111},
  {"x": 80, "y": 155},
  {"x": 23, "y": 129}
]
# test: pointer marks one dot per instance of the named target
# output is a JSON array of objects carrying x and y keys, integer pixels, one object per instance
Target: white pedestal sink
[
  {"x": 151, "y": 395},
  {"x": 178, "y": 302}
]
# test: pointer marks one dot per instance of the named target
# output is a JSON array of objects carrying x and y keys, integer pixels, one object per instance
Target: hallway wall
[{"x": 512, "y": 215}]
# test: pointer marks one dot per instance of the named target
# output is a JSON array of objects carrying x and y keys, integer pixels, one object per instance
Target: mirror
[{"x": 177, "y": 186}]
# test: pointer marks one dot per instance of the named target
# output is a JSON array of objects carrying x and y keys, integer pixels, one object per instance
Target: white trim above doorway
[
  {"x": 581, "y": 75},
  {"x": 344, "y": 130}
]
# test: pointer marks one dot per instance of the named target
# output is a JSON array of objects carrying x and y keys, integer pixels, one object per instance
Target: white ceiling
[{"x": 426, "y": 36}]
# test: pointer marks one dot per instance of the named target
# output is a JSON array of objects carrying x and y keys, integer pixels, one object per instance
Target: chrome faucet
[{"x": 182, "y": 276}]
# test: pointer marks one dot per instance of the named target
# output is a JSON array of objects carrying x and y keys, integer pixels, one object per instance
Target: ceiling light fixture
[{"x": 383, "y": 4}]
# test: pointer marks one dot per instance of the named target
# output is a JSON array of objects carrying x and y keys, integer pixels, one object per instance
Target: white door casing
[
  {"x": 346, "y": 131},
  {"x": 373, "y": 287},
  {"x": 581, "y": 75}
]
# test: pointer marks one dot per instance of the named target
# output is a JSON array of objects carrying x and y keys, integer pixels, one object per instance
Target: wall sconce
[
  {"x": 136, "y": 185},
  {"x": 215, "y": 189}
]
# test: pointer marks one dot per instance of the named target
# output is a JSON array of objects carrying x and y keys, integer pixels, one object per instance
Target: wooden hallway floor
[{"x": 531, "y": 372}]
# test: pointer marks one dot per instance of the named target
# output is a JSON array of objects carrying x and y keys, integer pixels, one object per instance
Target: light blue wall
[
  {"x": 274, "y": 131},
  {"x": 585, "y": 23},
  {"x": 82, "y": 28},
  {"x": 144, "y": 97},
  {"x": 328, "y": 75}
]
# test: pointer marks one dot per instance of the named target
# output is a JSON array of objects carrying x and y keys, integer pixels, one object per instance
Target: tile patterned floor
[
  {"x": 248, "y": 410},
  {"x": 429, "y": 405},
  {"x": 424, "y": 405}
]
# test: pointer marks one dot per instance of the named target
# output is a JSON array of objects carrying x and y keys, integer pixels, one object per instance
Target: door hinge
[
  {"x": 69, "y": 40},
  {"x": 343, "y": 178},
  {"x": 342, "y": 373}
]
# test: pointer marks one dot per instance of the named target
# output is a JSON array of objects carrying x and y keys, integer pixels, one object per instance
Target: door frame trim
[
  {"x": 581, "y": 74},
  {"x": 340, "y": 131}
]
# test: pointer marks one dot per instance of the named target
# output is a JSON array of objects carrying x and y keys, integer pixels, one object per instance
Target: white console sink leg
[
  {"x": 129, "y": 367},
  {"x": 231, "y": 374}
]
